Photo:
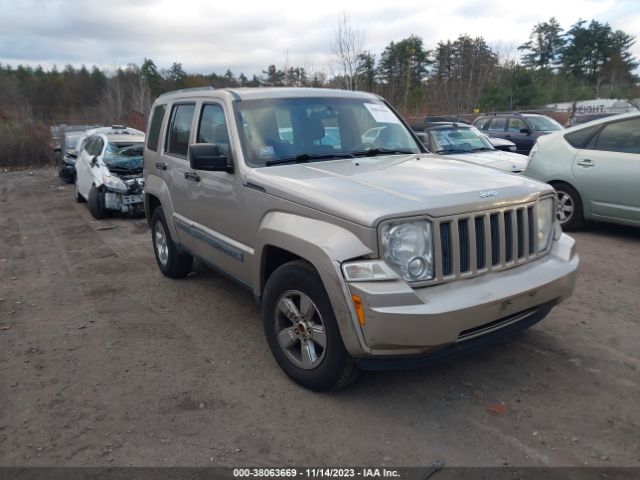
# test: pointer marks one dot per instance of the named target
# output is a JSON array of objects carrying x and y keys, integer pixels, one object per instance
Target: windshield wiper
[
  {"x": 307, "y": 157},
  {"x": 453, "y": 150},
  {"x": 372, "y": 152},
  {"x": 482, "y": 149}
]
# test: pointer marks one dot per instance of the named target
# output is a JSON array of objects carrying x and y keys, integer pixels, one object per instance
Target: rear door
[
  {"x": 174, "y": 159},
  {"x": 608, "y": 171},
  {"x": 497, "y": 127},
  {"x": 84, "y": 177}
]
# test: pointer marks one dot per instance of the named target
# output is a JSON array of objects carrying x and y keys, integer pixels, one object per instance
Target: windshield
[
  {"x": 124, "y": 155},
  {"x": 543, "y": 124},
  {"x": 457, "y": 139},
  {"x": 310, "y": 129}
]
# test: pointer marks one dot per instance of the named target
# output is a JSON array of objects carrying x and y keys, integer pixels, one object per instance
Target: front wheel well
[
  {"x": 272, "y": 258},
  {"x": 151, "y": 202}
]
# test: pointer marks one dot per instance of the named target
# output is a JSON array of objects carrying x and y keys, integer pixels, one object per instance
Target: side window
[
  {"x": 86, "y": 144},
  {"x": 179, "y": 129},
  {"x": 154, "y": 127},
  {"x": 497, "y": 124},
  {"x": 98, "y": 145},
  {"x": 515, "y": 124},
  {"x": 213, "y": 127},
  {"x": 482, "y": 123},
  {"x": 621, "y": 136}
]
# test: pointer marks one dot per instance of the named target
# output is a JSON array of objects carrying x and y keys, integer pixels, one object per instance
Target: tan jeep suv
[{"x": 363, "y": 250}]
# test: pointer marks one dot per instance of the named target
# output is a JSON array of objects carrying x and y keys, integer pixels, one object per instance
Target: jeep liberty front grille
[{"x": 470, "y": 244}]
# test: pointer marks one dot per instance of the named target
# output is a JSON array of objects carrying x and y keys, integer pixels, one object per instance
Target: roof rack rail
[{"x": 184, "y": 90}]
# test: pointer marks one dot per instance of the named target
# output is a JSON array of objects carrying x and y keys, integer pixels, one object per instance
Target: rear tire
[
  {"x": 96, "y": 203},
  {"x": 302, "y": 330},
  {"x": 569, "y": 212},
  {"x": 172, "y": 262}
]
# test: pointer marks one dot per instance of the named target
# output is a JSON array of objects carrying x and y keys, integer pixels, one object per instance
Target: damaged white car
[{"x": 109, "y": 174}]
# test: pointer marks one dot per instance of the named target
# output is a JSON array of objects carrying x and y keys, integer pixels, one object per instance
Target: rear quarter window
[
  {"x": 579, "y": 138},
  {"x": 154, "y": 127}
]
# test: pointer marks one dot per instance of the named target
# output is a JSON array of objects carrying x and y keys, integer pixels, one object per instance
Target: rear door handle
[
  {"x": 161, "y": 166},
  {"x": 192, "y": 176},
  {"x": 586, "y": 163}
]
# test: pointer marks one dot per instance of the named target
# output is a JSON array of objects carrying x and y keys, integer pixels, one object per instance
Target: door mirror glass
[{"x": 209, "y": 157}]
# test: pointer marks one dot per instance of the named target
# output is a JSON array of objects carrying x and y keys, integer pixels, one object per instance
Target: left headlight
[
  {"x": 546, "y": 217},
  {"x": 114, "y": 183},
  {"x": 407, "y": 247}
]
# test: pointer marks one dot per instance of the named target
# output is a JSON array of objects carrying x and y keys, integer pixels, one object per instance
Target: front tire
[
  {"x": 96, "y": 203},
  {"x": 302, "y": 331},
  {"x": 172, "y": 262},
  {"x": 569, "y": 212}
]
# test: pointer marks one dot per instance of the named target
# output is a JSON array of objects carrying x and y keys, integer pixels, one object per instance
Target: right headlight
[
  {"x": 546, "y": 218},
  {"x": 407, "y": 247}
]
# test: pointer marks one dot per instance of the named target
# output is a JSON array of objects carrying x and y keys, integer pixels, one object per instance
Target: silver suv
[{"x": 364, "y": 252}]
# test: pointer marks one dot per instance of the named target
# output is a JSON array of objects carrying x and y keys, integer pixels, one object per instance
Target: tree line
[{"x": 456, "y": 76}]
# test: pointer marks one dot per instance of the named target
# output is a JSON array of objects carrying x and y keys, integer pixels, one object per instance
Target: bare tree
[{"x": 346, "y": 46}]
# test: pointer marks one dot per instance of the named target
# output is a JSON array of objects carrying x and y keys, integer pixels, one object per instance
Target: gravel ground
[{"x": 106, "y": 362}]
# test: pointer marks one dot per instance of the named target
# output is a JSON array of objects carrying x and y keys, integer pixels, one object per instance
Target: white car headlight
[
  {"x": 546, "y": 218},
  {"x": 114, "y": 183},
  {"x": 407, "y": 247}
]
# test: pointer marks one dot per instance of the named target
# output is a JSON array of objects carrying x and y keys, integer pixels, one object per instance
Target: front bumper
[{"x": 402, "y": 321}]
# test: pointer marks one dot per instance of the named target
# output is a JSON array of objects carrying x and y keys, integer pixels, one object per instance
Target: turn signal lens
[{"x": 357, "y": 302}]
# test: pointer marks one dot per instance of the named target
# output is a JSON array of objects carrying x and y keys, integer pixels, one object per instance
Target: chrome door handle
[
  {"x": 192, "y": 176},
  {"x": 161, "y": 166},
  {"x": 586, "y": 163}
]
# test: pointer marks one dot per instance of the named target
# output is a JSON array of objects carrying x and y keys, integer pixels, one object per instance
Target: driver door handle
[
  {"x": 586, "y": 163},
  {"x": 192, "y": 176}
]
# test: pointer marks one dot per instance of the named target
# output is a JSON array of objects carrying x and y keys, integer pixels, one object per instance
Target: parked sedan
[
  {"x": 595, "y": 168},
  {"x": 109, "y": 174},
  {"x": 465, "y": 142}
]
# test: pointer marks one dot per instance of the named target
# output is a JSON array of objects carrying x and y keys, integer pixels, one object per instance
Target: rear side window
[
  {"x": 179, "y": 129},
  {"x": 154, "y": 128},
  {"x": 621, "y": 136},
  {"x": 579, "y": 138},
  {"x": 497, "y": 124}
]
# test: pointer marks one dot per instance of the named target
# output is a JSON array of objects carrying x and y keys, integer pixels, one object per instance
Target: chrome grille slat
[{"x": 467, "y": 245}]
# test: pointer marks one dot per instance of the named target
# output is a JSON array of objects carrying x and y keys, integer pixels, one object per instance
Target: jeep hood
[
  {"x": 507, "y": 161},
  {"x": 369, "y": 190}
]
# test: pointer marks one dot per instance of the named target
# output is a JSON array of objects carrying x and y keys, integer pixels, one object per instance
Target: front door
[
  {"x": 217, "y": 210},
  {"x": 524, "y": 141}
]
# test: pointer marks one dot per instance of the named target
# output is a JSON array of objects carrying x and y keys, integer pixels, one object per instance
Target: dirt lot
[{"x": 106, "y": 362}]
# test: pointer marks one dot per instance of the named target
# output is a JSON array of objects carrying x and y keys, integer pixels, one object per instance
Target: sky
[{"x": 246, "y": 36}]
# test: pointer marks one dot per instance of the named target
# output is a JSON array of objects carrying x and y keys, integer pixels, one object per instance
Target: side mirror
[
  {"x": 207, "y": 157},
  {"x": 525, "y": 130},
  {"x": 94, "y": 161}
]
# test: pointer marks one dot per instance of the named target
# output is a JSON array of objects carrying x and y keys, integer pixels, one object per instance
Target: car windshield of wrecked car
[
  {"x": 288, "y": 130},
  {"x": 456, "y": 140},
  {"x": 125, "y": 155}
]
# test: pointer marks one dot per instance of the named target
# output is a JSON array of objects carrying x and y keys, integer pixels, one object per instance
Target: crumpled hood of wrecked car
[{"x": 368, "y": 190}]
